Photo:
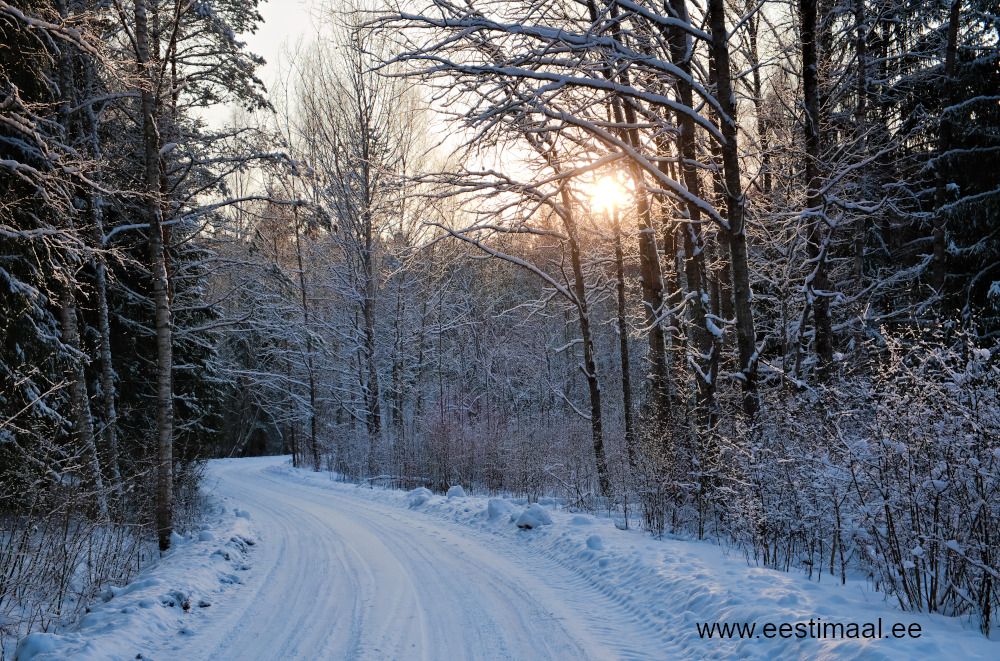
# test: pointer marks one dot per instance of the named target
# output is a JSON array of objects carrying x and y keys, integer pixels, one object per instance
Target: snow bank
[
  {"x": 498, "y": 508},
  {"x": 35, "y": 644},
  {"x": 534, "y": 516},
  {"x": 672, "y": 586},
  {"x": 418, "y": 497},
  {"x": 456, "y": 492},
  {"x": 166, "y": 599}
]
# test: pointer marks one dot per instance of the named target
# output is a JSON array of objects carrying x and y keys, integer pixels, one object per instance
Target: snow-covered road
[
  {"x": 342, "y": 577},
  {"x": 291, "y": 565}
]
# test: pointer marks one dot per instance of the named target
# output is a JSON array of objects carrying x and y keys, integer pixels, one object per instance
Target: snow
[
  {"x": 456, "y": 492},
  {"x": 34, "y": 644},
  {"x": 498, "y": 508},
  {"x": 168, "y": 600},
  {"x": 533, "y": 516},
  {"x": 330, "y": 570},
  {"x": 418, "y": 497}
]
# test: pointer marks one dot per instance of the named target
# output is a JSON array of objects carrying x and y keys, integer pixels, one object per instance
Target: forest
[{"x": 718, "y": 269}]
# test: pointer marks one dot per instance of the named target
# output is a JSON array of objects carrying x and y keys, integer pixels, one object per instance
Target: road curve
[{"x": 338, "y": 576}]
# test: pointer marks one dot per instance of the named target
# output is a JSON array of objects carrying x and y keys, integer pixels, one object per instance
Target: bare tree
[{"x": 352, "y": 126}]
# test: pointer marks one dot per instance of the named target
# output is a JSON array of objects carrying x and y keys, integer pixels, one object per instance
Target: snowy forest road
[{"x": 339, "y": 576}]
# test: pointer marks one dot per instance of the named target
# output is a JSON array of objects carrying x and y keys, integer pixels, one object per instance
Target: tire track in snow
[
  {"x": 271, "y": 616},
  {"x": 338, "y": 576},
  {"x": 586, "y": 607}
]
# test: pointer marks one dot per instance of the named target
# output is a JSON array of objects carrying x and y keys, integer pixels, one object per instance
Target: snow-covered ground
[{"x": 296, "y": 566}]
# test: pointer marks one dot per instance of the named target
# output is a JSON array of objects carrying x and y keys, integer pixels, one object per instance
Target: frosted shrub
[
  {"x": 894, "y": 472},
  {"x": 928, "y": 484},
  {"x": 55, "y": 560}
]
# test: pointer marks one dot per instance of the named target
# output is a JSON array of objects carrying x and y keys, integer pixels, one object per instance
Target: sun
[{"x": 607, "y": 194}]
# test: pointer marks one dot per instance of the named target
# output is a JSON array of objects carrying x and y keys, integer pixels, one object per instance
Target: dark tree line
[{"x": 110, "y": 378}]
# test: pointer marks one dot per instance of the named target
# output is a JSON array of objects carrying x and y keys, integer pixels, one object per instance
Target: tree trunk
[
  {"x": 652, "y": 296},
  {"x": 861, "y": 51},
  {"x": 372, "y": 404},
  {"x": 650, "y": 276},
  {"x": 418, "y": 407},
  {"x": 313, "y": 445},
  {"x": 694, "y": 245},
  {"x": 817, "y": 282},
  {"x": 83, "y": 421},
  {"x": 758, "y": 100},
  {"x": 296, "y": 460},
  {"x": 623, "y": 339},
  {"x": 651, "y": 281},
  {"x": 944, "y": 144},
  {"x": 161, "y": 300},
  {"x": 80, "y": 411},
  {"x": 589, "y": 366},
  {"x": 735, "y": 233},
  {"x": 398, "y": 365},
  {"x": 108, "y": 391}
]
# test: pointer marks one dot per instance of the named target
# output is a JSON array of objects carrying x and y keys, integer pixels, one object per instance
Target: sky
[{"x": 285, "y": 22}]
